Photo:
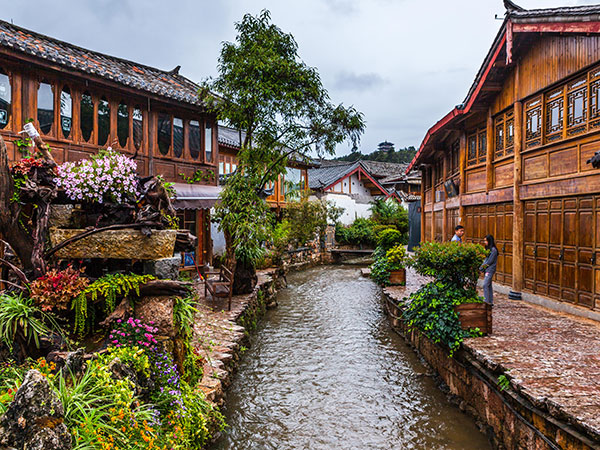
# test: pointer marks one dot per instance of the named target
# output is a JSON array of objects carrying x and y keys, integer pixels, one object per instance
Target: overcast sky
[{"x": 403, "y": 63}]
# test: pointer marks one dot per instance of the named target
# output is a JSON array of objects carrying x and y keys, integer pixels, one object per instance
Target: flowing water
[{"x": 326, "y": 371}]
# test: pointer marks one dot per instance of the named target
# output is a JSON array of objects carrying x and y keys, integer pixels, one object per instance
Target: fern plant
[{"x": 109, "y": 287}]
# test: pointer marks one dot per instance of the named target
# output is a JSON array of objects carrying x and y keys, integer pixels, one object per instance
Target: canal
[{"x": 325, "y": 371}]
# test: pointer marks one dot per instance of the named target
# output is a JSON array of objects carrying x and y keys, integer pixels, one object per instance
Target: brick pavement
[{"x": 551, "y": 358}]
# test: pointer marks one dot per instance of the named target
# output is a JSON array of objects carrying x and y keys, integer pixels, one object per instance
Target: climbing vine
[{"x": 108, "y": 287}]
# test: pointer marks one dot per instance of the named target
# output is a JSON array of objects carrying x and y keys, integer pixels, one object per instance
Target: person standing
[
  {"x": 489, "y": 268},
  {"x": 459, "y": 232}
]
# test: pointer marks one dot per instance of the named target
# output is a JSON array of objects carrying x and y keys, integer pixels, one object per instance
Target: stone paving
[
  {"x": 219, "y": 338},
  {"x": 551, "y": 358}
]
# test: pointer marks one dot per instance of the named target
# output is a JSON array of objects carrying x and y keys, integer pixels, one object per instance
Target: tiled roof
[
  {"x": 230, "y": 136},
  {"x": 384, "y": 169},
  {"x": 144, "y": 78},
  {"x": 516, "y": 12},
  {"x": 325, "y": 175}
]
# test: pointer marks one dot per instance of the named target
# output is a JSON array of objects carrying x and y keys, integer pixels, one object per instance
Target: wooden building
[
  {"x": 295, "y": 179},
  {"x": 81, "y": 100},
  {"x": 511, "y": 160}
]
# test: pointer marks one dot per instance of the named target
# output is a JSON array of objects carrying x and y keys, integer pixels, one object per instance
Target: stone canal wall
[
  {"x": 510, "y": 419},
  {"x": 221, "y": 335}
]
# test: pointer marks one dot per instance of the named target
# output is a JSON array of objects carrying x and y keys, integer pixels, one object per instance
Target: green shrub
[
  {"x": 431, "y": 310},
  {"x": 390, "y": 212},
  {"x": 308, "y": 219},
  {"x": 380, "y": 271},
  {"x": 449, "y": 262},
  {"x": 396, "y": 257},
  {"x": 359, "y": 233},
  {"x": 389, "y": 238},
  {"x": 377, "y": 229}
]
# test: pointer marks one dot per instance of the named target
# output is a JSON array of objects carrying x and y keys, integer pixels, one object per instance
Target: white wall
[{"x": 353, "y": 207}]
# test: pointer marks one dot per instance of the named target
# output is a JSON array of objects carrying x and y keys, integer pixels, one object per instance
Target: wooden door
[{"x": 560, "y": 248}]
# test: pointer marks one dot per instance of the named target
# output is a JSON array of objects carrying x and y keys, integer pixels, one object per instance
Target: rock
[
  {"x": 75, "y": 362},
  {"x": 115, "y": 244},
  {"x": 164, "y": 268},
  {"x": 60, "y": 215},
  {"x": 122, "y": 311},
  {"x": 35, "y": 418},
  {"x": 158, "y": 309}
]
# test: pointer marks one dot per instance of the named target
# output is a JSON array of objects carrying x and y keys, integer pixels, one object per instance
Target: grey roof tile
[{"x": 128, "y": 73}]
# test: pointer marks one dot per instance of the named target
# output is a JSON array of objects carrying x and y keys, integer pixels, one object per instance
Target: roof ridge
[{"x": 83, "y": 49}]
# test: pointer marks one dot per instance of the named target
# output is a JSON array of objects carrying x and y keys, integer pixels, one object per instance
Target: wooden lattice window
[
  {"x": 554, "y": 115},
  {"x": 454, "y": 157},
  {"x": 533, "y": 122},
  {"x": 481, "y": 146},
  {"x": 576, "y": 106},
  {"x": 504, "y": 134},
  {"x": 477, "y": 147},
  {"x": 595, "y": 98}
]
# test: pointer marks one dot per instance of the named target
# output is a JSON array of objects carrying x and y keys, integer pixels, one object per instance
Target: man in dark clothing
[{"x": 459, "y": 232}]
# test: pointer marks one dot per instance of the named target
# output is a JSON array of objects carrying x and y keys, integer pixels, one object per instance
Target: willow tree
[{"x": 266, "y": 90}]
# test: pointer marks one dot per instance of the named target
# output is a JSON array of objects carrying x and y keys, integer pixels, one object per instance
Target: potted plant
[{"x": 396, "y": 259}]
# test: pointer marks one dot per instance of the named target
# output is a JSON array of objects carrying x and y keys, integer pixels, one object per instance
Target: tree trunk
[{"x": 244, "y": 279}]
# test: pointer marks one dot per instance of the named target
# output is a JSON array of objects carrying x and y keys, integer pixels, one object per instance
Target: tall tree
[{"x": 266, "y": 90}]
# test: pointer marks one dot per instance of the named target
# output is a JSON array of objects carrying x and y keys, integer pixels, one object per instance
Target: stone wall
[{"x": 510, "y": 420}]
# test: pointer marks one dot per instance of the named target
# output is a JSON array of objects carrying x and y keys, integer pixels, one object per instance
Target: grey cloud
[{"x": 350, "y": 81}]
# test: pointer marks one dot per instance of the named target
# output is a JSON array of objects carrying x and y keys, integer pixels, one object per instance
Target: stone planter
[
  {"x": 398, "y": 277},
  {"x": 475, "y": 315},
  {"x": 115, "y": 244}
]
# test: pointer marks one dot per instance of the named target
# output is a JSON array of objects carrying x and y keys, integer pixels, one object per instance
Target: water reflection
[{"x": 325, "y": 372}]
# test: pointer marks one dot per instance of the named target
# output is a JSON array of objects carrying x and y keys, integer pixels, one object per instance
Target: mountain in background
[{"x": 385, "y": 153}]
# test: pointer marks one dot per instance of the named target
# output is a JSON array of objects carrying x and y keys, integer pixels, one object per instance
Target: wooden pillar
[
  {"x": 423, "y": 177},
  {"x": 517, "y": 260},
  {"x": 444, "y": 212},
  {"x": 489, "y": 157},
  {"x": 462, "y": 175},
  {"x": 433, "y": 178}
]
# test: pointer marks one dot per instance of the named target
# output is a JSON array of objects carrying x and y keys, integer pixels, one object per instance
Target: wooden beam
[
  {"x": 462, "y": 166},
  {"x": 433, "y": 178},
  {"x": 423, "y": 174},
  {"x": 557, "y": 27},
  {"x": 518, "y": 230},
  {"x": 489, "y": 170},
  {"x": 444, "y": 212}
]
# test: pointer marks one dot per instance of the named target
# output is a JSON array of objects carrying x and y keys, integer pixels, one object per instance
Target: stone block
[
  {"x": 159, "y": 310},
  {"x": 164, "y": 268},
  {"x": 60, "y": 215},
  {"x": 115, "y": 244}
]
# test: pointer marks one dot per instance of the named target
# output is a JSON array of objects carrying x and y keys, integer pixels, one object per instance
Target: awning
[{"x": 195, "y": 196}]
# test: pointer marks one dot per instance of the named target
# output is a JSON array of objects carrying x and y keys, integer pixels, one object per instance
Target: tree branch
[{"x": 16, "y": 270}]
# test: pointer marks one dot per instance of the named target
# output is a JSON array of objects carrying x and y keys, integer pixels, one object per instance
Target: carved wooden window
[
  {"x": 481, "y": 146},
  {"x": 86, "y": 116},
  {"x": 5, "y": 99},
  {"x": 504, "y": 134},
  {"x": 103, "y": 121},
  {"x": 45, "y": 107},
  {"x": 208, "y": 143},
  {"x": 595, "y": 98},
  {"x": 66, "y": 111},
  {"x": 554, "y": 115},
  {"x": 178, "y": 139},
  {"x": 576, "y": 106},
  {"x": 194, "y": 138},
  {"x": 499, "y": 136},
  {"x": 138, "y": 127},
  {"x": 509, "y": 133},
  {"x": 164, "y": 133},
  {"x": 123, "y": 124},
  {"x": 472, "y": 149},
  {"x": 455, "y": 157},
  {"x": 533, "y": 122}
]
